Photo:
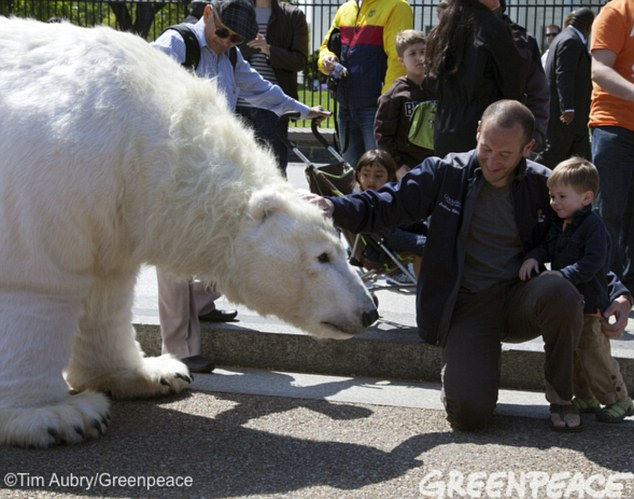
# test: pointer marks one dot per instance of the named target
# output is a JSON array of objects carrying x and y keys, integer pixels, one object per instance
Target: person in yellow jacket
[{"x": 367, "y": 32}]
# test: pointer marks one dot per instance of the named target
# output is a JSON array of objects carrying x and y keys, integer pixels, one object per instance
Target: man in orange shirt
[{"x": 612, "y": 125}]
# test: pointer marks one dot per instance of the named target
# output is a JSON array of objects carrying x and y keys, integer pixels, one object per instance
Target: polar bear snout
[
  {"x": 342, "y": 320},
  {"x": 369, "y": 317}
]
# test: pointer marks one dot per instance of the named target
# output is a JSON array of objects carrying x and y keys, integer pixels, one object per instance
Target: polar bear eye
[{"x": 323, "y": 258}]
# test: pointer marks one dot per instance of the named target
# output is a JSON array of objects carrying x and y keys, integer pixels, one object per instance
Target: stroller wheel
[{"x": 375, "y": 299}]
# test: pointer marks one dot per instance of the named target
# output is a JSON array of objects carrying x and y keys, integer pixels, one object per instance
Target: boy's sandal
[
  {"x": 617, "y": 412},
  {"x": 587, "y": 405},
  {"x": 562, "y": 411}
]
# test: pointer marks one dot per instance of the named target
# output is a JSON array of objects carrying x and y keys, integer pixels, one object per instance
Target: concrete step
[
  {"x": 376, "y": 353},
  {"x": 390, "y": 349}
]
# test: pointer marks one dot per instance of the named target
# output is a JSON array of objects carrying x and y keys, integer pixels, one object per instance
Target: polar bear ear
[{"x": 265, "y": 203}]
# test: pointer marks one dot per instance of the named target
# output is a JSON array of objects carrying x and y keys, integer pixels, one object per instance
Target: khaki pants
[
  {"x": 596, "y": 373},
  {"x": 180, "y": 304}
]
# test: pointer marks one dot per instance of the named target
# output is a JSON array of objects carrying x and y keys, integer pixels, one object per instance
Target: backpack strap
[
  {"x": 192, "y": 47},
  {"x": 233, "y": 56}
]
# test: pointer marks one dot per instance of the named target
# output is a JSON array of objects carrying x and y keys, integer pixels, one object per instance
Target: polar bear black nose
[{"x": 369, "y": 318}]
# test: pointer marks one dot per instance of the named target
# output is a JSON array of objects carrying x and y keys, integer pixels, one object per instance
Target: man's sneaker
[{"x": 617, "y": 412}]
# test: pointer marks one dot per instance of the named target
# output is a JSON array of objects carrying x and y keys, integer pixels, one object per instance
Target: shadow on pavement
[{"x": 212, "y": 439}]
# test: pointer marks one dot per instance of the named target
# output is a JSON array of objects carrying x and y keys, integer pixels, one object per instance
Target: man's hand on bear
[{"x": 325, "y": 205}]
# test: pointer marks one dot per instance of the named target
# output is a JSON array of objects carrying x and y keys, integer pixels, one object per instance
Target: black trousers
[
  {"x": 564, "y": 141},
  {"x": 268, "y": 130},
  {"x": 547, "y": 305}
]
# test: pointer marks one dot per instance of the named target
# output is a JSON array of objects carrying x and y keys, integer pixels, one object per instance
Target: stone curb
[{"x": 391, "y": 355}]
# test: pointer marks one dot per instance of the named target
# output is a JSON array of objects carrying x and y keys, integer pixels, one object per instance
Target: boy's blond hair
[
  {"x": 576, "y": 172},
  {"x": 406, "y": 38}
]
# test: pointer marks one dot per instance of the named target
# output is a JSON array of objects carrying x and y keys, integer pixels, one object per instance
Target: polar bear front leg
[
  {"x": 36, "y": 408},
  {"x": 105, "y": 355}
]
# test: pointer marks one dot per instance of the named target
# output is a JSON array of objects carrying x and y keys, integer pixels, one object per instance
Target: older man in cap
[{"x": 223, "y": 25}]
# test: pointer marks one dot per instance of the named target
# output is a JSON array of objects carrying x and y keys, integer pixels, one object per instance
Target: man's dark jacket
[
  {"x": 447, "y": 190},
  {"x": 491, "y": 69},
  {"x": 580, "y": 253},
  {"x": 287, "y": 34}
]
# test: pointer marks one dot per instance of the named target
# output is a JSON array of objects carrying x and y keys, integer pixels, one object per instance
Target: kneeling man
[{"x": 488, "y": 208}]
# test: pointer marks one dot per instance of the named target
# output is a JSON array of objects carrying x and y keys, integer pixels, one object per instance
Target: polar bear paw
[
  {"x": 76, "y": 418},
  {"x": 155, "y": 376}
]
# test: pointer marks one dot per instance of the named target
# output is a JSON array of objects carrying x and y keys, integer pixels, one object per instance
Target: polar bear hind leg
[{"x": 105, "y": 355}]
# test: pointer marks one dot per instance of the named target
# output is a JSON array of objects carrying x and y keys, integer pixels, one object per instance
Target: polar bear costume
[{"x": 112, "y": 155}]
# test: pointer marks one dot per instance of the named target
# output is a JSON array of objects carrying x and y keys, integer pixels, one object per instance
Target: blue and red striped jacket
[{"x": 368, "y": 48}]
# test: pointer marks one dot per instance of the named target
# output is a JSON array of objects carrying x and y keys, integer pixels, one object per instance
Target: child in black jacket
[{"x": 577, "y": 246}]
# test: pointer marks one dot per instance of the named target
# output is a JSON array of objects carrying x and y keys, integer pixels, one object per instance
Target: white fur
[{"x": 112, "y": 155}]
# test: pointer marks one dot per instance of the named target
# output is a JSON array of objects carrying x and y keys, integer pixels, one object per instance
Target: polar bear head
[{"x": 292, "y": 265}]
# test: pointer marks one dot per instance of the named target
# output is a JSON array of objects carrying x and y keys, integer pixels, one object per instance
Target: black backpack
[{"x": 192, "y": 48}]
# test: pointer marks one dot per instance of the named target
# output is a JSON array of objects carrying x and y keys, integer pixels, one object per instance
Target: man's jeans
[
  {"x": 360, "y": 135},
  {"x": 613, "y": 155},
  {"x": 268, "y": 130}
]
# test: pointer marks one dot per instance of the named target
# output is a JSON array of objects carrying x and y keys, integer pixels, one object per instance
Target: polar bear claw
[
  {"x": 154, "y": 377},
  {"x": 77, "y": 418}
]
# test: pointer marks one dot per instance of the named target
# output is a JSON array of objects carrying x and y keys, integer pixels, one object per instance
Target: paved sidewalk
[{"x": 317, "y": 437}]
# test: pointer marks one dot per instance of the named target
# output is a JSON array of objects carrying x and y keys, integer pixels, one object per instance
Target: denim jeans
[
  {"x": 360, "y": 135},
  {"x": 613, "y": 155},
  {"x": 268, "y": 130}
]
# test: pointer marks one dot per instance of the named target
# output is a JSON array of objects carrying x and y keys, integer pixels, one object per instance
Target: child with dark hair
[
  {"x": 577, "y": 247},
  {"x": 374, "y": 169}
]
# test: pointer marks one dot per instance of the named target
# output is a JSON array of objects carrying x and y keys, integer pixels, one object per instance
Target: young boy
[
  {"x": 577, "y": 246},
  {"x": 395, "y": 106}
]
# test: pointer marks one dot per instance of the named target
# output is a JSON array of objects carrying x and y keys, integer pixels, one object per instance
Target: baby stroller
[{"x": 337, "y": 179}]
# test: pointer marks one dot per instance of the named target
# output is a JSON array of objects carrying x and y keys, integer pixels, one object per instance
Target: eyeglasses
[
  {"x": 550, "y": 35},
  {"x": 225, "y": 33}
]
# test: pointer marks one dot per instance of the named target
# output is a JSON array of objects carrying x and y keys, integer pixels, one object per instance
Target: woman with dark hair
[{"x": 471, "y": 62}]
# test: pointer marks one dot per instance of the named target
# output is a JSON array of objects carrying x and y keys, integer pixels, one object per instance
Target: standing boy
[
  {"x": 577, "y": 247},
  {"x": 396, "y": 106}
]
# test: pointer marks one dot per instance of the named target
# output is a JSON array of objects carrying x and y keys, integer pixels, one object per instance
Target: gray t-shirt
[{"x": 493, "y": 250}]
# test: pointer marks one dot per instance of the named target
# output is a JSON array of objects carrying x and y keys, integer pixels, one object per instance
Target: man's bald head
[{"x": 507, "y": 113}]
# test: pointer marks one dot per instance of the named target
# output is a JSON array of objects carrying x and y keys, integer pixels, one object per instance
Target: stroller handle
[
  {"x": 314, "y": 127},
  {"x": 285, "y": 140}
]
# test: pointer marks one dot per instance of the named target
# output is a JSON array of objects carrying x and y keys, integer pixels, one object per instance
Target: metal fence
[{"x": 150, "y": 18}]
